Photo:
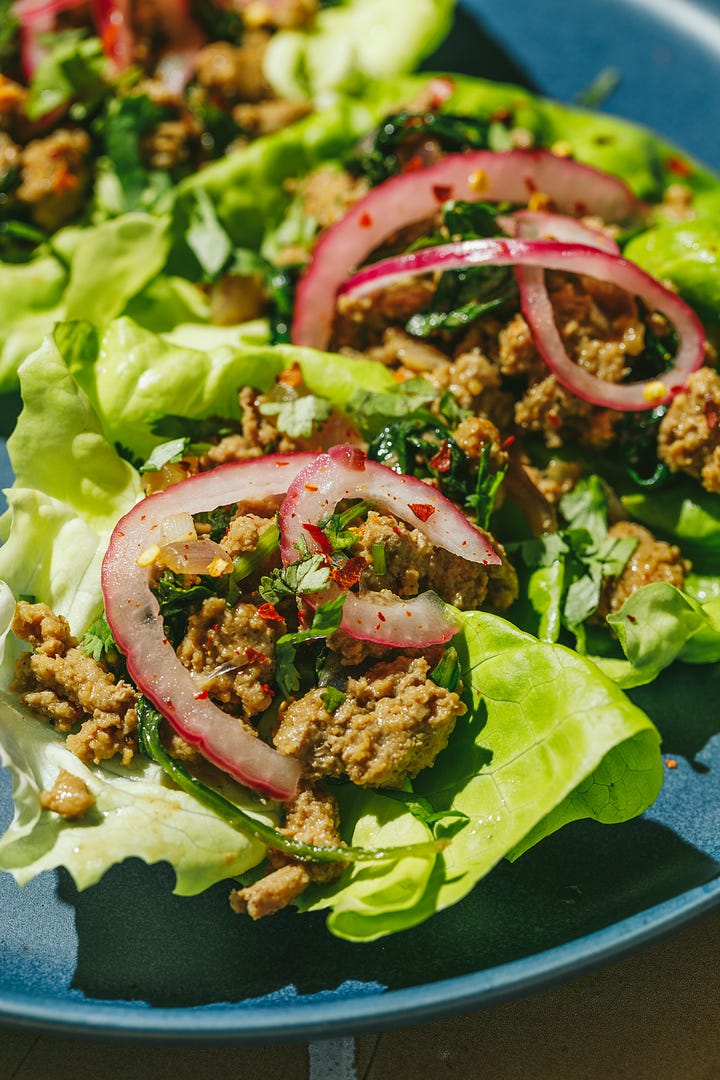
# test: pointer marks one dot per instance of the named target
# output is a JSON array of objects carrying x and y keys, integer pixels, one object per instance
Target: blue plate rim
[{"x": 228, "y": 1023}]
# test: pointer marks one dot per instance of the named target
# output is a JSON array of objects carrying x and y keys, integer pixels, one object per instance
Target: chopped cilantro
[
  {"x": 482, "y": 500},
  {"x": 176, "y": 602},
  {"x": 310, "y": 574},
  {"x": 332, "y": 699},
  {"x": 207, "y": 238},
  {"x": 326, "y": 620},
  {"x": 297, "y": 417},
  {"x": 98, "y": 641},
  {"x": 335, "y": 526},
  {"x": 72, "y": 70}
]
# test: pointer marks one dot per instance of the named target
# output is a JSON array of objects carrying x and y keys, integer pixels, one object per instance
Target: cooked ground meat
[
  {"x": 312, "y": 816},
  {"x": 271, "y": 893},
  {"x": 55, "y": 177},
  {"x": 267, "y": 117},
  {"x": 414, "y": 564},
  {"x": 393, "y": 723},
  {"x": 245, "y": 530},
  {"x": 689, "y": 434},
  {"x": 652, "y": 560},
  {"x": 69, "y": 796},
  {"x": 59, "y": 681},
  {"x": 232, "y": 653}
]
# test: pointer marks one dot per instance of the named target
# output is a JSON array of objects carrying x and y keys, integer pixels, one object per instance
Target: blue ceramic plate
[{"x": 128, "y": 959}]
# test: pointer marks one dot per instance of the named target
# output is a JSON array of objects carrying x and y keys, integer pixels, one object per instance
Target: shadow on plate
[{"x": 138, "y": 942}]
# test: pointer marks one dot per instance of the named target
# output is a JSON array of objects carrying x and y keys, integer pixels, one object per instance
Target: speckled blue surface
[{"x": 129, "y": 960}]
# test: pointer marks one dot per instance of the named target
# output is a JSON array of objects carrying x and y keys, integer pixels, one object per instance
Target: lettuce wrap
[
  {"x": 548, "y": 737},
  {"x": 156, "y": 266},
  {"x": 115, "y": 252}
]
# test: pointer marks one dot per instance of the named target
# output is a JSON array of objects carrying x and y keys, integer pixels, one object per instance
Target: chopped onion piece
[
  {"x": 345, "y": 473},
  {"x": 196, "y": 557},
  {"x": 178, "y": 528},
  {"x": 480, "y": 175},
  {"x": 134, "y": 616},
  {"x": 537, "y": 308}
]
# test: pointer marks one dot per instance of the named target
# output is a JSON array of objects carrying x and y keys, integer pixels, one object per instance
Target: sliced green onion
[
  {"x": 447, "y": 671},
  {"x": 378, "y": 558}
]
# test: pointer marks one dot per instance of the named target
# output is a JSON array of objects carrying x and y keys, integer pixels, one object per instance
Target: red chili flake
[
  {"x": 442, "y": 460},
  {"x": 711, "y": 414},
  {"x": 414, "y": 164},
  {"x": 291, "y": 376},
  {"x": 201, "y": 695},
  {"x": 678, "y": 388},
  {"x": 422, "y": 510},
  {"x": 266, "y": 689},
  {"x": 355, "y": 457},
  {"x": 350, "y": 573},
  {"x": 365, "y": 220},
  {"x": 553, "y": 419},
  {"x": 678, "y": 166},
  {"x": 530, "y": 185},
  {"x": 507, "y": 443},
  {"x": 254, "y": 656},
  {"x": 397, "y": 530},
  {"x": 632, "y": 618},
  {"x": 671, "y": 762},
  {"x": 318, "y": 536},
  {"x": 381, "y": 617},
  {"x": 269, "y": 613},
  {"x": 442, "y": 192},
  {"x": 311, "y": 487}
]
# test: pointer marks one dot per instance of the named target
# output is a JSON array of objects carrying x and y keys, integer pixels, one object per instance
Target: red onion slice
[
  {"x": 537, "y": 309},
  {"x": 507, "y": 176},
  {"x": 133, "y": 614},
  {"x": 345, "y": 473}
]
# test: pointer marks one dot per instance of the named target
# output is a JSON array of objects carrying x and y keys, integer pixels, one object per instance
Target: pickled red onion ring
[
  {"x": 134, "y": 617},
  {"x": 537, "y": 308},
  {"x": 344, "y": 473},
  {"x": 487, "y": 175}
]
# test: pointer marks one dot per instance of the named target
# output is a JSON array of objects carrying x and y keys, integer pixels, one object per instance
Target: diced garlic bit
[{"x": 148, "y": 556}]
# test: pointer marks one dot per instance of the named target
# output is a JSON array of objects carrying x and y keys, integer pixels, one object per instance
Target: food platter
[{"x": 126, "y": 958}]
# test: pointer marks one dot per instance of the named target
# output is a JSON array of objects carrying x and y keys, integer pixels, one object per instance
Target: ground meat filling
[
  {"x": 652, "y": 560},
  {"x": 313, "y": 817},
  {"x": 72, "y": 690},
  {"x": 69, "y": 797},
  {"x": 413, "y": 565},
  {"x": 689, "y": 435},
  {"x": 393, "y": 723},
  {"x": 231, "y": 651}
]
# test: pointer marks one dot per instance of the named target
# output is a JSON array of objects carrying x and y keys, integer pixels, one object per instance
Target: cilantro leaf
[
  {"x": 310, "y": 574},
  {"x": 98, "y": 641},
  {"x": 298, "y": 416},
  {"x": 326, "y": 620},
  {"x": 207, "y": 238}
]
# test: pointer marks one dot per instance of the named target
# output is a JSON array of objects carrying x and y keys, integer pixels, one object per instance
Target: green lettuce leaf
[
  {"x": 548, "y": 739},
  {"x": 141, "y": 376},
  {"x": 352, "y": 43},
  {"x": 136, "y": 813}
]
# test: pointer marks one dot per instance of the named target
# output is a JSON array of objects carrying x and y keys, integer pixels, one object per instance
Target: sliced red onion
[
  {"x": 36, "y": 18},
  {"x": 345, "y": 473},
  {"x": 134, "y": 618},
  {"x": 543, "y": 225},
  {"x": 113, "y": 22},
  {"x": 537, "y": 308},
  {"x": 508, "y": 176}
]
